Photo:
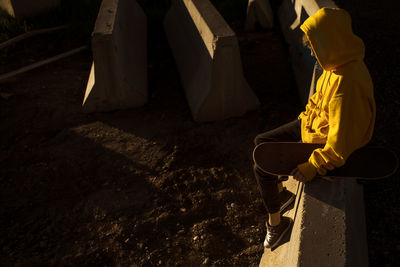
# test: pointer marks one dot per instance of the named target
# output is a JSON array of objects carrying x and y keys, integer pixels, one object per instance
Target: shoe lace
[{"x": 271, "y": 233}]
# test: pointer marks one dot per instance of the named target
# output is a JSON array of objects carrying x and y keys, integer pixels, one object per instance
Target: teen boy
[{"x": 341, "y": 113}]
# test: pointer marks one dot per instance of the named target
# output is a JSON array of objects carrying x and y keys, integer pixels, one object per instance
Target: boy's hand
[{"x": 297, "y": 175}]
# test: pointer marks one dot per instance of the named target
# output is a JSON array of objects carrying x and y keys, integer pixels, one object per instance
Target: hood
[{"x": 332, "y": 39}]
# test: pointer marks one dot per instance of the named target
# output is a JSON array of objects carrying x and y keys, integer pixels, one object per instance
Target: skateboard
[{"x": 366, "y": 163}]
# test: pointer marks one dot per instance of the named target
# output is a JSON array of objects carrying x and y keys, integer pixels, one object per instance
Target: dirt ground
[{"x": 149, "y": 186}]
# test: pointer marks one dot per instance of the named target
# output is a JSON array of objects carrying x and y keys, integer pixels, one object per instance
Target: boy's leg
[
  {"x": 269, "y": 186},
  {"x": 289, "y": 132},
  {"x": 275, "y": 198},
  {"x": 277, "y": 226}
]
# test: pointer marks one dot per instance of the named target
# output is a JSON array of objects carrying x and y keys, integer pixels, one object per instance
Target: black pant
[{"x": 268, "y": 184}]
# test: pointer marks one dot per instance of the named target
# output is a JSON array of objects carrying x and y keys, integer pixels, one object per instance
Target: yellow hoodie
[{"x": 341, "y": 114}]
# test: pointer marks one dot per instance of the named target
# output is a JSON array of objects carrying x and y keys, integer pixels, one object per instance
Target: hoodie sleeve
[{"x": 351, "y": 122}]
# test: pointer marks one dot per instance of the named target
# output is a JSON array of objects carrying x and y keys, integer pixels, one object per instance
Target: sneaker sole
[
  {"x": 282, "y": 235},
  {"x": 287, "y": 203}
]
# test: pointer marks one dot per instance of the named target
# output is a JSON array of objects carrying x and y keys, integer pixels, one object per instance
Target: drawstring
[{"x": 323, "y": 91}]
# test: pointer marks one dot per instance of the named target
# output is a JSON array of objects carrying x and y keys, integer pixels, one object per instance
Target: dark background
[{"x": 149, "y": 186}]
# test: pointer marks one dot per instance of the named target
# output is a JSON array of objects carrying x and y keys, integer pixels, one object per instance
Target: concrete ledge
[
  {"x": 329, "y": 227},
  {"x": 118, "y": 78},
  {"x": 207, "y": 55},
  {"x": 292, "y": 13},
  {"x": 28, "y": 8}
]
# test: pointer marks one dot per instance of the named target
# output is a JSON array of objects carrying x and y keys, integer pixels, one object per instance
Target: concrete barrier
[
  {"x": 292, "y": 13},
  {"x": 207, "y": 55},
  {"x": 259, "y": 11},
  {"x": 329, "y": 227},
  {"x": 118, "y": 78},
  {"x": 28, "y": 8}
]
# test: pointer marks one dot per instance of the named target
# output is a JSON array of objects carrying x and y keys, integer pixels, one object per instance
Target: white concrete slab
[
  {"x": 28, "y": 8},
  {"x": 118, "y": 78},
  {"x": 207, "y": 55}
]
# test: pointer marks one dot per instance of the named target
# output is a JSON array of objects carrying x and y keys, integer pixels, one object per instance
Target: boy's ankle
[{"x": 274, "y": 219}]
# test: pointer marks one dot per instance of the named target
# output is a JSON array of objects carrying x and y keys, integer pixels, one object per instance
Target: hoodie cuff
[{"x": 308, "y": 170}]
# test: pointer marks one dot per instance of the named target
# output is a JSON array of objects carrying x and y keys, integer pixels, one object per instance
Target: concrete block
[
  {"x": 291, "y": 14},
  {"x": 329, "y": 227},
  {"x": 118, "y": 78},
  {"x": 28, "y": 8},
  {"x": 259, "y": 11},
  {"x": 207, "y": 55}
]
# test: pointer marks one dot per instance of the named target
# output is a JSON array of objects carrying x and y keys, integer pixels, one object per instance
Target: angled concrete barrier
[
  {"x": 207, "y": 55},
  {"x": 259, "y": 11},
  {"x": 118, "y": 78},
  {"x": 292, "y": 13},
  {"x": 329, "y": 227},
  {"x": 28, "y": 8}
]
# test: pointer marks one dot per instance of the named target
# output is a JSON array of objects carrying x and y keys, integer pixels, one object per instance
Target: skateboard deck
[{"x": 369, "y": 163}]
